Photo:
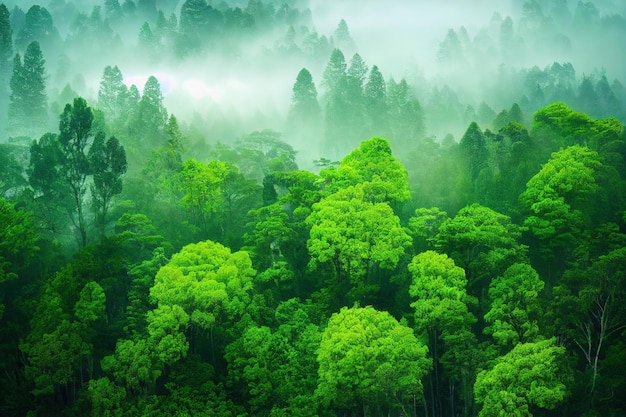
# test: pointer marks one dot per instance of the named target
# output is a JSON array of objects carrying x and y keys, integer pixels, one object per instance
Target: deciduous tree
[
  {"x": 369, "y": 361},
  {"x": 529, "y": 376}
]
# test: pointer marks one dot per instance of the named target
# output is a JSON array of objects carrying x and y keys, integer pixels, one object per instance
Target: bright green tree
[
  {"x": 18, "y": 242},
  {"x": 481, "y": 241},
  {"x": 515, "y": 306},
  {"x": 354, "y": 235},
  {"x": 529, "y": 376},
  {"x": 557, "y": 201},
  {"x": 202, "y": 287},
  {"x": 374, "y": 163},
  {"x": 106, "y": 397},
  {"x": 442, "y": 316},
  {"x": 368, "y": 362},
  {"x": 424, "y": 225},
  {"x": 201, "y": 185}
]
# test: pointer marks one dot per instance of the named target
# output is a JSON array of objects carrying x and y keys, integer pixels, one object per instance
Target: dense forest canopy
[{"x": 311, "y": 208}]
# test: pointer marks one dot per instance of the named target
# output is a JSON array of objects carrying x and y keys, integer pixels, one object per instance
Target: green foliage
[
  {"x": 113, "y": 93},
  {"x": 133, "y": 366},
  {"x": 28, "y": 112},
  {"x": 481, "y": 241},
  {"x": 570, "y": 127},
  {"x": 529, "y": 376},
  {"x": 259, "y": 154},
  {"x": 91, "y": 303},
  {"x": 556, "y": 199},
  {"x": 424, "y": 226},
  {"x": 276, "y": 369},
  {"x": 106, "y": 397},
  {"x": 206, "y": 281},
  {"x": 439, "y": 288},
  {"x": 515, "y": 307},
  {"x": 353, "y": 235},
  {"x": 74, "y": 138},
  {"x": 371, "y": 163},
  {"x": 367, "y": 360},
  {"x": 18, "y": 239},
  {"x": 166, "y": 327},
  {"x": 108, "y": 165}
]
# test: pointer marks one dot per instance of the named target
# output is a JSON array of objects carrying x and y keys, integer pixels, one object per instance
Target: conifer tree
[
  {"x": 6, "y": 51},
  {"x": 303, "y": 120},
  {"x": 376, "y": 102},
  {"x": 28, "y": 101}
]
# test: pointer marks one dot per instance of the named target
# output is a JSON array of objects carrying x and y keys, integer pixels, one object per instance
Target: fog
[{"x": 243, "y": 80}]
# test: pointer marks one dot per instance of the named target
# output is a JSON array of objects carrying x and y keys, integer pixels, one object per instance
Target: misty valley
[{"x": 312, "y": 208}]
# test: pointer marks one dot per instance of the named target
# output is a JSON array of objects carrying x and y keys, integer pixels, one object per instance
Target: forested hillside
[{"x": 229, "y": 209}]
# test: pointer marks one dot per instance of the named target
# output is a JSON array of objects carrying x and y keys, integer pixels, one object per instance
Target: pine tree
[
  {"x": 376, "y": 103},
  {"x": 28, "y": 107},
  {"x": 38, "y": 26},
  {"x": 113, "y": 93},
  {"x": 150, "y": 118},
  {"x": 304, "y": 118}
]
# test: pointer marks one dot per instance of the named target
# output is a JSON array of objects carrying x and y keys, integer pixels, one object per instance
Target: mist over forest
[{"x": 312, "y": 208}]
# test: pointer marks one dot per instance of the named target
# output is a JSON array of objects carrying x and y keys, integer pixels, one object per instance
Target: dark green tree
[
  {"x": 38, "y": 26},
  {"x": 6, "y": 37},
  {"x": 50, "y": 193},
  {"x": 108, "y": 165},
  {"x": 75, "y": 137}
]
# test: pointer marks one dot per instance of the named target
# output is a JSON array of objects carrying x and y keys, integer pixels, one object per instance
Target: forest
[{"x": 308, "y": 208}]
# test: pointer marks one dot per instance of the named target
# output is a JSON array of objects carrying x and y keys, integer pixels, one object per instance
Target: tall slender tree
[
  {"x": 376, "y": 103},
  {"x": 28, "y": 107},
  {"x": 151, "y": 116},
  {"x": 75, "y": 137},
  {"x": 304, "y": 118},
  {"x": 6, "y": 51},
  {"x": 108, "y": 165},
  {"x": 113, "y": 93}
]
